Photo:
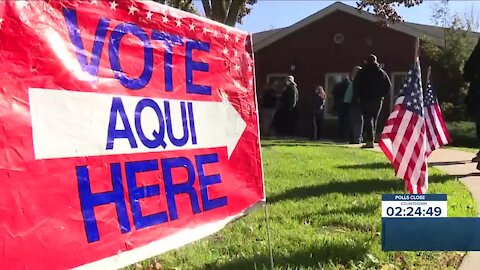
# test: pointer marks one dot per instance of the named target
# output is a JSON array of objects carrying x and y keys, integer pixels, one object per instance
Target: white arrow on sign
[{"x": 75, "y": 124}]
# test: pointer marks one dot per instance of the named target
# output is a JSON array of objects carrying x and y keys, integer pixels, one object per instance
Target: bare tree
[{"x": 228, "y": 12}]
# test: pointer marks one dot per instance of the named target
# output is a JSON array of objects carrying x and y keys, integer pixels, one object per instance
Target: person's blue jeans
[{"x": 356, "y": 124}]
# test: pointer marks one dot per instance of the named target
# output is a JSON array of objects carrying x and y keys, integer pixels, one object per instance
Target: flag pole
[
  {"x": 268, "y": 236},
  {"x": 417, "y": 49}
]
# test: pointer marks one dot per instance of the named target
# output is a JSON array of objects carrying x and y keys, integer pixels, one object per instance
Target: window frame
[
  {"x": 328, "y": 102},
  {"x": 392, "y": 90}
]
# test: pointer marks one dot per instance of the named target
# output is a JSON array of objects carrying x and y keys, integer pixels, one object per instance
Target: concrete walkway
[{"x": 459, "y": 165}]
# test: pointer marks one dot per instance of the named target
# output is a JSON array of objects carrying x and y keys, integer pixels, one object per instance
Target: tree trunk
[
  {"x": 218, "y": 10},
  {"x": 207, "y": 8},
  {"x": 234, "y": 10}
]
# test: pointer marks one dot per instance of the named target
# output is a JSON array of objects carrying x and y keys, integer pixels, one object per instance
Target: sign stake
[{"x": 268, "y": 236}]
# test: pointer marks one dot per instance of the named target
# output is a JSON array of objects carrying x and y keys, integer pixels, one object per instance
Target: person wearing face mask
[{"x": 318, "y": 105}]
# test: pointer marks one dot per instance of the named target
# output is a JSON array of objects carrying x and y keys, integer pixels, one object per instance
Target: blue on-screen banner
[
  {"x": 431, "y": 234},
  {"x": 414, "y": 197}
]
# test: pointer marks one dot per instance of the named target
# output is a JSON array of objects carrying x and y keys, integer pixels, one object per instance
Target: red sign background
[{"x": 41, "y": 221}]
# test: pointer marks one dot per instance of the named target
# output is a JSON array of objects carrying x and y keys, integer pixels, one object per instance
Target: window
[
  {"x": 398, "y": 79},
  {"x": 331, "y": 79},
  {"x": 277, "y": 80}
]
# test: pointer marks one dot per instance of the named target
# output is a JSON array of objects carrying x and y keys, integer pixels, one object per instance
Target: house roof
[
  {"x": 259, "y": 36},
  {"x": 432, "y": 33}
]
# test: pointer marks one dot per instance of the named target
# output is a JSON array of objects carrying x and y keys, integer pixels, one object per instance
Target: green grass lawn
[{"x": 325, "y": 213}]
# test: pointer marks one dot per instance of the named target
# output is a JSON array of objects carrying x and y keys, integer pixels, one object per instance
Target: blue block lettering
[
  {"x": 168, "y": 117},
  {"x": 74, "y": 32},
  {"x": 191, "y": 120},
  {"x": 191, "y": 65},
  {"x": 158, "y": 136},
  {"x": 170, "y": 41},
  {"x": 207, "y": 180},
  {"x": 172, "y": 189},
  {"x": 114, "y": 52},
  {"x": 136, "y": 193},
  {"x": 113, "y": 133},
  {"x": 88, "y": 201}
]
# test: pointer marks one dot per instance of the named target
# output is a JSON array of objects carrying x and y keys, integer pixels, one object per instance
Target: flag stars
[
  {"x": 93, "y": 2},
  {"x": 192, "y": 27},
  {"x": 225, "y": 51},
  {"x": 237, "y": 67},
  {"x": 215, "y": 33},
  {"x": 250, "y": 69},
  {"x": 149, "y": 15},
  {"x": 113, "y": 5},
  {"x": 409, "y": 103},
  {"x": 132, "y": 9},
  {"x": 178, "y": 22},
  {"x": 237, "y": 39},
  {"x": 205, "y": 30},
  {"x": 235, "y": 53},
  {"x": 165, "y": 19},
  {"x": 227, "y": 37}
]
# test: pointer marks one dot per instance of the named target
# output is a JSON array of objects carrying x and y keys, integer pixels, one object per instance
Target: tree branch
[
  {"x": 207, "y": 8},
  {"x": 235, "y": 7},
  {"x": 186, "y": 4}
]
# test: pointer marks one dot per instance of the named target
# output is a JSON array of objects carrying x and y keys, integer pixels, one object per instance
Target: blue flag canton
[
  {"x": 430, "y": 98},
  {"x": 412, "y": 91}
]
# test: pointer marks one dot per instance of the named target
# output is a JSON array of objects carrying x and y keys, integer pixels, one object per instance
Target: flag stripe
[
  {"x": 442, "y": 126},
  {"x": 434, "y": 123}
]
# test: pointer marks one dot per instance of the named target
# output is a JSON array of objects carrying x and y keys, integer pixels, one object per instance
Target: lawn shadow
[
  {"x": 313, "y": 257},
  {"x": 369, "y": 166},
  {"x": 448, "y": 163},
  {"x": 351, "y": 188},
  {"x": 357, "y": 209},
  {"x": 473, "y": 174}
]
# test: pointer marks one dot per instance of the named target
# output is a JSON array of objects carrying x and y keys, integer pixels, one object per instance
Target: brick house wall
[{"x": 314, "y": 53}]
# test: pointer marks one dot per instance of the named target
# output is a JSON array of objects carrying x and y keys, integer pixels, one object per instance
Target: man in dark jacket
[
  {"x": 370, "y": 87},
  {"x": 471, "y": 73},
  {"x": 289, "y": 105}
]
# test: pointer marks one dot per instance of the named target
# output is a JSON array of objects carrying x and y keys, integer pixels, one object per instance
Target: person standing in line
[
  {"x": 318, "y": 105},
  {"x": 269, "y": 107},
  {"x": 471, "y": 74},
  {"x": 370, "y": 87},
  {"x": 289, "y": 105},
  {"x": 341, "y": 108},
  {"x": 355, "y": 112}
]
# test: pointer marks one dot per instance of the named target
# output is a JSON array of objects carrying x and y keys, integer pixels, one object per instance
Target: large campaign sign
[{"x": 127, "y": 129}]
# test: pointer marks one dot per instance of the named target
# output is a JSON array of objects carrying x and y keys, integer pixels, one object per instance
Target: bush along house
[{"x": 324, "y": 47}]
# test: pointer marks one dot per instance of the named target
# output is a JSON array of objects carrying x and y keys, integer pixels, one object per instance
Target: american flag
[
  {"x": 437, "y": 132},
  {"x": 404, "y": 139}
]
